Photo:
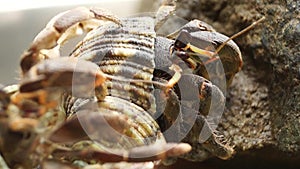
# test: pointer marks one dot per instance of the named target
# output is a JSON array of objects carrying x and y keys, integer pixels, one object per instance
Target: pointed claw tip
[
  {"x": 181, "y": 149},
  {"x": 184, "y": 147}
]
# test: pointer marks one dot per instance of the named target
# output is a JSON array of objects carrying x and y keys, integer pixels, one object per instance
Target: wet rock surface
[{"x": 263, "y": 103}]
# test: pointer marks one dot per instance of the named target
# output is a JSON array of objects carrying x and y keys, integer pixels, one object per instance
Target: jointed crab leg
[
  {"x": 63, "y": 72},
  {"x": 61, "y": 28},
  {"x": 108, "y": 124},
  {"x": 139, "y": 154},
  {"x": 44, "y": 81}
]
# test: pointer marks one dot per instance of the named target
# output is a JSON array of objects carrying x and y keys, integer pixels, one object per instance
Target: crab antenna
[{"x": 239, "y": 33}]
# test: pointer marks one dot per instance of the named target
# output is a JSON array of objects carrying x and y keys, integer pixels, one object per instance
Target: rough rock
[{"x": 263, "y": 102}]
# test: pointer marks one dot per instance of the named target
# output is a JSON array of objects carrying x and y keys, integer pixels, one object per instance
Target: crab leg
[
  {"x": 80, "y": 77},
  {"x": 61, "y": 28},
  {"x": 199, "y": 109},
  {"x": 119, "y": 123},
  {"x": 138, "y": 154},
  {"x": 62, "y": 72},
  {"x": 211, "y": 106}
]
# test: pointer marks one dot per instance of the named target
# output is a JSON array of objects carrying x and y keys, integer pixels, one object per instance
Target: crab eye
[
  {"x": 179, "y": 44},
  {"x": 191, "y": 44},
  {"x": 182, "y": 40}
]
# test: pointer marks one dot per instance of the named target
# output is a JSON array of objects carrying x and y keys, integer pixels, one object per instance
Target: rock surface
[{"x": 263, "y": 103}]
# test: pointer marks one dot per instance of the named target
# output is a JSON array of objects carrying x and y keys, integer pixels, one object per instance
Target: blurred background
[{"x": 21, "y": 21}]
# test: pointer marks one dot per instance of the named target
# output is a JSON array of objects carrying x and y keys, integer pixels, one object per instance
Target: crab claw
[
  {"x": 65, "y": 72},
  {"x": 61, "y": 28},
  {"x": 44, "y": 83},
  {"x": 87, "y": 122}
]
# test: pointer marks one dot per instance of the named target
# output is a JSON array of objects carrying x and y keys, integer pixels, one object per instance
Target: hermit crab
[{"x": 125, "y": 96}]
